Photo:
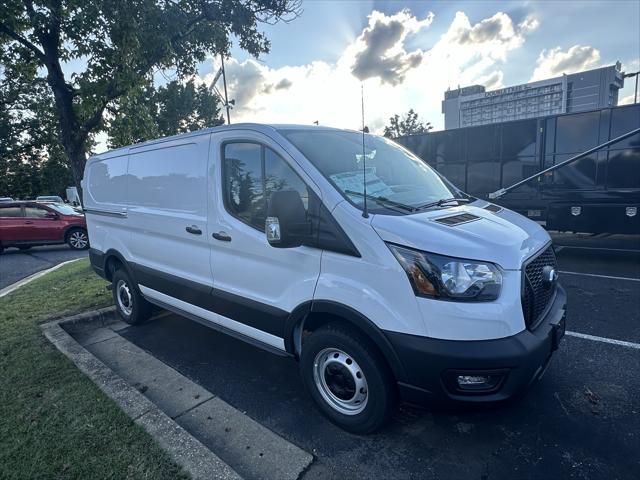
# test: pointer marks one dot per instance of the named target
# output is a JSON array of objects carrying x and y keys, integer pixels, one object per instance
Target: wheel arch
[
  {"x": 113, "y": 258},
  {"x": 70, "y": 228},
  {"x": 321, "y": 312}
]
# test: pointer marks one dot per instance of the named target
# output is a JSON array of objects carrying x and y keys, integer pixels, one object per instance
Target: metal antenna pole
[
  {"x": 224, "y": 80},
  {"x": 365, "y": 211},
  {"x": 502, "y": 191}
]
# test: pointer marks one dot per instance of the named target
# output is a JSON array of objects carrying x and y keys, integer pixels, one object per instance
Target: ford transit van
[{"x": 341, "y": 250}]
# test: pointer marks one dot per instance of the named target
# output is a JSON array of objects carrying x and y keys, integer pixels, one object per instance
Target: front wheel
[
  {"x": 348, "y": 378},
  {"x": 78, "y": 239}
]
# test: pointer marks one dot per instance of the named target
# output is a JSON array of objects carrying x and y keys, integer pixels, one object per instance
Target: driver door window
[
  {"x": 35, "y": 212},
  {"x": 251, "y": 173}
]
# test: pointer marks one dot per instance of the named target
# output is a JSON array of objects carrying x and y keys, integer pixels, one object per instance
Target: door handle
[
  {"x": 222, "y": 236},
  {"x": 28, "y": 222},
  {"x": 194, "y": 230}
]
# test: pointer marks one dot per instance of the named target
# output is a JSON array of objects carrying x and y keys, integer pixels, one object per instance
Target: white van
[{"x": 425, "y": 294}]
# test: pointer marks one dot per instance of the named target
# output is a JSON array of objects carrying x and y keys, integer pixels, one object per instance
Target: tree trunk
[
  {"x": 73, "y": 135},
  {"x": 77, "y": 160}
]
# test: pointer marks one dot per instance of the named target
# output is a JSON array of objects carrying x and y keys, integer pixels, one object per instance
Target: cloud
[
  {"x": 381, "y": 52},
  {"x": 492, "y": 81},
  {"x": 497, "y": 34},
  {"x": 529, "y": 24},
  {"x": 397, "y": 77},
  {"x": 555, "y": 62},
  {"x": 246, "y": 80},
  {"x": 284, "y": 84},
  {"x": 628, "y": 100}
]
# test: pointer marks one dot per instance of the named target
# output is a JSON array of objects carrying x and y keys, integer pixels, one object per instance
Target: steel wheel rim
[
  {"x": 123, "y": 294},
  {"x": 78, "y": 240},
  {"x": 340, "y": 381}
]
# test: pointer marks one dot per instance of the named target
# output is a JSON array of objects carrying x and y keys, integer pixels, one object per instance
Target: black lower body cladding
[{"x": 432, "y": 365}]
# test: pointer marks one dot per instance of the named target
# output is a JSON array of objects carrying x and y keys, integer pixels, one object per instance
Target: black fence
[{"x": 598, "y": 193}]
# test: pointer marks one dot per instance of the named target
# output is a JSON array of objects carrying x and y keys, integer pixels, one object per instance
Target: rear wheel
[
  {"x": 131, "y": 306},
  {"x": 348, "y": 378},
  {"x": 78, "y": 239}
]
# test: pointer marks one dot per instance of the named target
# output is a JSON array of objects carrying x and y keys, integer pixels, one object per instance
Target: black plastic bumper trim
[{"x": 523, "y": 356}]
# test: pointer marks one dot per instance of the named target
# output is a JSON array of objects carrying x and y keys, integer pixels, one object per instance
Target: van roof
[{"x": 259, "y": 127}]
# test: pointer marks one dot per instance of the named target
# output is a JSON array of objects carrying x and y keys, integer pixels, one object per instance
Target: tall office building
[{"x": 577, "y": 92}]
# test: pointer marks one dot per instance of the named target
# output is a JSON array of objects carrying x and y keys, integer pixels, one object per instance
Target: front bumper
[{"x": 431, "y": 364}]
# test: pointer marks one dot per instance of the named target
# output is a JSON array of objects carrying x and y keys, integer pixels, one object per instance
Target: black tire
[
  {"x": 134, "y": 311},
  {"x": 77, "y": 239},
  {"x": 380, "y": 387}
]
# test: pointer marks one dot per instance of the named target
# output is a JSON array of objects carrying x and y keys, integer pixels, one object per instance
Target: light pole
[
  {"x": 629, "y": 75},
  {"x": 224, "y": 81}
]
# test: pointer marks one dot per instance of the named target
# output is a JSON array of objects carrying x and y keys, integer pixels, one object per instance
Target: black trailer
[{"x": 597, "y": 193}]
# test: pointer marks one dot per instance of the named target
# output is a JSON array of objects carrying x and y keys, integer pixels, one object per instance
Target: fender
[
  {"x": 114, "y": 253},
  {"x": 298, "y": 316},
  {"x": 70, "y": 227}
]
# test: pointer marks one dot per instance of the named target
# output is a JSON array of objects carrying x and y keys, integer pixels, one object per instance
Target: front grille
[
  {"x": 457, "y": 219},
  {"x": 537, "y": 294}
]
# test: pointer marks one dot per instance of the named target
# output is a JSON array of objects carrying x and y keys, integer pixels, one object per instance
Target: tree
[
  {"x": 408, "y": 125},
  {"x": 147, "y": 113},
  {"x": 120, "y": 44},
  {"x": 32, "y": 161}
]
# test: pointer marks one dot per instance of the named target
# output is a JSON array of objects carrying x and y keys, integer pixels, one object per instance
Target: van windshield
[{"x": 398, "y": 179}]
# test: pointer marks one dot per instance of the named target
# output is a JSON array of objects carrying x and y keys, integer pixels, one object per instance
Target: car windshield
[
  {"x": 397, "y": 179},
  {"x": 64, "y": 209}
]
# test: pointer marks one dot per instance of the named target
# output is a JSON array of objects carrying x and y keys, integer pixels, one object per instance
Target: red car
[{"x": 27, "y": 224}]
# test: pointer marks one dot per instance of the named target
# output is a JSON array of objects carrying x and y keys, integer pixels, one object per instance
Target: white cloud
[
  {"x": 395, "y": 78},
  {"x": 492, "y": 80},
  {"x": 381, "y": 50},
  {"x": 529, "y": 24},
  {"x": 628, "y": 100},
  {"x": 555, "y": 62}
]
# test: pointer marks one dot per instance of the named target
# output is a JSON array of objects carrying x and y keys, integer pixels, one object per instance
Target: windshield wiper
[
  {"x": 382, "y": 200},
  {"x": 441, "y": 202}
]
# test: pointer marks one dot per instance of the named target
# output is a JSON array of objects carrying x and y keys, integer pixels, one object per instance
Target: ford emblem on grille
[{"x": 549, "y": 276}]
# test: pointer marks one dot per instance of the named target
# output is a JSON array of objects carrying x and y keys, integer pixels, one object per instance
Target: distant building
[{"x": 577, "y": 92}]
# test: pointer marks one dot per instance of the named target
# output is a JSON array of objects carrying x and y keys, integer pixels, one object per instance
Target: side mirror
[
  {"x": 286, "y": 225},
  {"x": 51, "y": 215}
]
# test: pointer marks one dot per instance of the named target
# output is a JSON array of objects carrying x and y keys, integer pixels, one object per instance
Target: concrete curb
[
  {"x": 184, "y": 449},
  {"x": 14, "y": 286}
]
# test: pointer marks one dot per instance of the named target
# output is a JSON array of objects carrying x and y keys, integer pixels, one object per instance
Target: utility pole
[{"x": 224, "y": 80}]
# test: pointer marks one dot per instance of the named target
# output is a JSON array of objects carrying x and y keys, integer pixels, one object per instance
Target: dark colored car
[{"x": 27, "y": 224}]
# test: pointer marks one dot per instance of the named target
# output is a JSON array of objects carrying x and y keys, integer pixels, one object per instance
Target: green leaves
[
  {"x": 146, "y": 112},
  {"x": 92, "y": 54},
  {"x": 407, "y": 125}
]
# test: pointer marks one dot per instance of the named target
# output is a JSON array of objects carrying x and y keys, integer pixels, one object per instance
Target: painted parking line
[
  {"x": 610, "y": 277},
  {"x": 611, "y": 341}
]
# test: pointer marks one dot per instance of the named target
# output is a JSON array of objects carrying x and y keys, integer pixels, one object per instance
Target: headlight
[{"x": 447, "y": 278}]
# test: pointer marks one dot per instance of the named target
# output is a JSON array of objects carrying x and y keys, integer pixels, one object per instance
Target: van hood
[{"x": 505, "y": 238}]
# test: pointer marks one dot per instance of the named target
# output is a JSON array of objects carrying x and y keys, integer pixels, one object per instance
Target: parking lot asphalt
[
  {"x": 582, "y": 420},
  {"x": 17, "y": 264}
]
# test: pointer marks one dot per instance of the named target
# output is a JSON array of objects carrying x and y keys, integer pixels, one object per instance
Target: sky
[{"x": 406, "y": 54}]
